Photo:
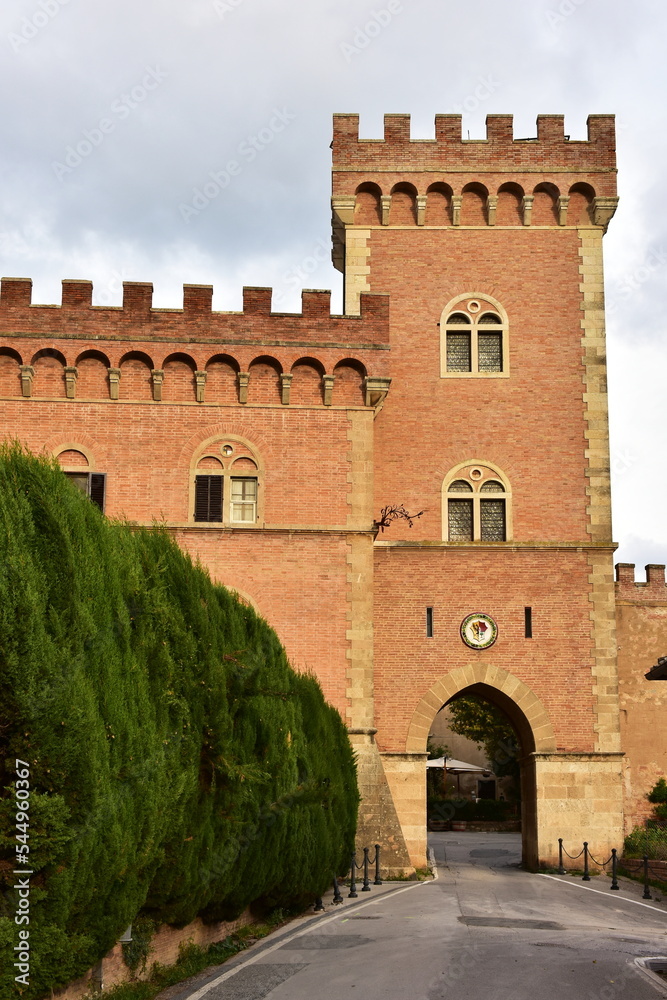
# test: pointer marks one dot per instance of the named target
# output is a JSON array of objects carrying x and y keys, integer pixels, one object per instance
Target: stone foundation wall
[{"x": 165, "y": 946}]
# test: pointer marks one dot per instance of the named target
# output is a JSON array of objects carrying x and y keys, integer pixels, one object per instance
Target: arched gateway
[{"x": 526, "y": 713}]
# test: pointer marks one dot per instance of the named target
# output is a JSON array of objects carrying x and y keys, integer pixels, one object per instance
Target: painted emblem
[{"x": 479, "y": 631}]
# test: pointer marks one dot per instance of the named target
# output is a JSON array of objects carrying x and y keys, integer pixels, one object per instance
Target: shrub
[
  {"x": 646, "y": 840},
  {"x": 179, "y": 766}
]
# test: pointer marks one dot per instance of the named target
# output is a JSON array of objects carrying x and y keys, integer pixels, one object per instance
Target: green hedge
[
  {"x": 650, "y": 839},
  {"x": 179, "y": 766}
]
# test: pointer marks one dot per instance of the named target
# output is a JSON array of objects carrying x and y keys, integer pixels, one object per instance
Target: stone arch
[
  {"x": 49, "y": 379},
  {"x": 135, "y": 376},
  {"x": 306, "y": 389},
  {"x": 245, "y": 598},
  {"x": 9, "y": 352},
  {"x": 349, "y": 383},
  {"x": 179, "y": 378},
  {"x": 74, "y": 455},
  {"x": 527, "y": 715},
  {"x": 508, "y": 212},
  {"x": 545, "y": 206},
  {"x": 581, "y": 200},
  {"x": 473, "y": 205},
  {"x": 264, "y": 383},
  {"x": 526, "y": 711},
  {"x": 438, "y": 205},
  {"x": 524, "y": 708},
  {"x": 92, "y": 368},
  {"x": 403, "y": 209},
  {"x": 10, "y": 372},
  {"x": 367, "y": 205},
  {"x": 222, "y": 379}
]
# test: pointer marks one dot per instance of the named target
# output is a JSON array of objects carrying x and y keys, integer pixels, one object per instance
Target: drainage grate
[
  {"x": 254, "y": 983},
  {"x": 654, "y": 969},
  {"x": 514, "y": 922},
  {"x": 314, "y": 942}
]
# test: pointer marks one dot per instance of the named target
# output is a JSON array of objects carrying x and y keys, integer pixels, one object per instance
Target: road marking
[
  {"x": 616, "y": 899},
  {"x": 316, "y": 924}
]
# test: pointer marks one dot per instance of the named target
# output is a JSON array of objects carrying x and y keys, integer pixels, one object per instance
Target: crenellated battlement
[
  {"x": 550, "y": 149},
  {"x": 546, "y": 181},
  {"x": 77, "y": 317},
  {"x": 81, "y": 351},
  {"x": 628, "y": 588}
]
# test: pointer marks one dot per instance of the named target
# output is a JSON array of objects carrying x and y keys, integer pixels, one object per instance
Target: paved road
[{"x": 484, "y": 930}]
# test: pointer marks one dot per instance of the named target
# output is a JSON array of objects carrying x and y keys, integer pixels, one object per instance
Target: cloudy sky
[{"x": 115, "y": 115}]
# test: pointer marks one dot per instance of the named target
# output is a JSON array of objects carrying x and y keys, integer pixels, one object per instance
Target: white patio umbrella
[{"x": 457, "y": 767}]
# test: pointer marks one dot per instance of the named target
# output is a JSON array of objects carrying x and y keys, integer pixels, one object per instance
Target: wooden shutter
[
  {"x": 208, "y": 498},
  {"x": 97, "y": 488}
]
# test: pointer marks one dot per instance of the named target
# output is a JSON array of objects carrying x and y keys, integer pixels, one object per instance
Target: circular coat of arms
[{"x": 479, "y": 631}]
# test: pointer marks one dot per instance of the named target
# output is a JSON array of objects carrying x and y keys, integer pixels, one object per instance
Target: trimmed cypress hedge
[{"x": 179, "y": 766}]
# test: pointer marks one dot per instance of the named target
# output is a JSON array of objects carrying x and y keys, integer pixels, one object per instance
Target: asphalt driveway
[{"x": 483, "y": 929}]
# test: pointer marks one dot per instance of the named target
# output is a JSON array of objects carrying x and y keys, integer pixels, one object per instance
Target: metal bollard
[
  {"x": 646, "y": 894},
  {"x": 366, "y": 887},
  {"x": 585, "y": 877},
  {"x": 319, "y": 905},
  {"x": 561, "y": 869},
  {"x": 352, "y": 894},
  {"x": 337, "y": 895},
  {"x": 614, "y": 863},
  {"x": 378, "y": 880}
]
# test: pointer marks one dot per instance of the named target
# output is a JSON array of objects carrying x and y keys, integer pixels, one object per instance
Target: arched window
[
  {"x": 476, "y": 504},
  {"x": 227, "y": 476},
  {"x": 78, "y": 464},
  {"x": 474, "y": 338}
]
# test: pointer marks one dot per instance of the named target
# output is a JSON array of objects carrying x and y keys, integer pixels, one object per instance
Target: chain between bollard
[
  {"x": 352, "y": 894},
  {"x": 586, "y": 877},
  {"x": 366, "y": 887},
  {"x": 561, "y": 869},
  {"x": 365, "y": 866},
  {"x": 647, "y": 893},
  {"x": 588, "y": 857},
  {"x": 378, "y": 880}
]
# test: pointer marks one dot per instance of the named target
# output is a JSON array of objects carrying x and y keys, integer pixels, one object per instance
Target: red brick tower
[{"x": 496, "y": 423}]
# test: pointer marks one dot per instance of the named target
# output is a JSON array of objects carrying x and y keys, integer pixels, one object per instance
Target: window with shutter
[
  {"x": 97, "y": 488},
  {"x": 227, "y": 476},
  {"x": 208, "y": 498},
  {"x": 92, "y": 484}
]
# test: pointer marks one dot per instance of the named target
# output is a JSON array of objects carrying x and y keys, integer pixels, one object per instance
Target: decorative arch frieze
[{"x": 527, "y": 713}]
